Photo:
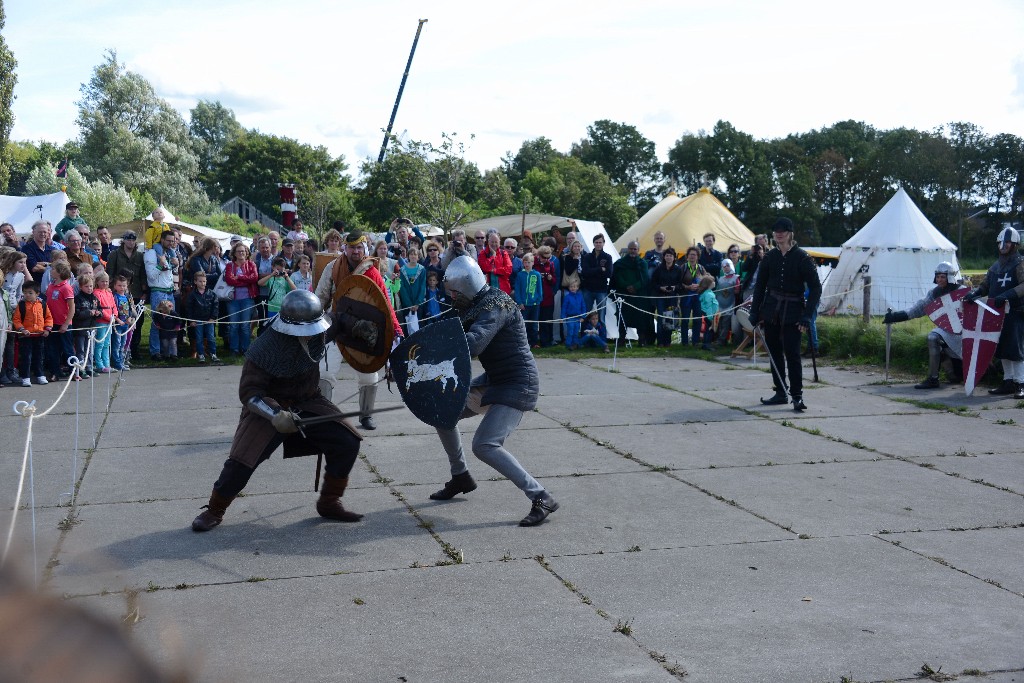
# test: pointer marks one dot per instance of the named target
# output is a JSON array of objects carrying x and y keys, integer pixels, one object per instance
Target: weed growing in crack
[
  {"x": 255, "y": 579},
  {"x": 624, "y": 627},
  {"x": 633, "y": 549},
  {"x": 359, "y": 601}
]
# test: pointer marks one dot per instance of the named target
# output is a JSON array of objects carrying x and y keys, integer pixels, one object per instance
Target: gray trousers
[{"x": 489, "y": 444}]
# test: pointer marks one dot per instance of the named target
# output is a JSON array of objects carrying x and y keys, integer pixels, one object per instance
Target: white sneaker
[
  {"x": 26, "y": 382},
  {"x": 41, "y": 380}
]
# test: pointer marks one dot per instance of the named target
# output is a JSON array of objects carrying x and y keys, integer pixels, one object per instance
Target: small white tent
[
  {"x": 22, "y": 212},
  {"x": 899, "y": 249}
]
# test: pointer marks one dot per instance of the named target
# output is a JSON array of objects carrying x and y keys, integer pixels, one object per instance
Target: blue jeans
[
  {"x": 591, "y": 298},
  {"x": 205, "y": 332},
  {"x": 239, "y": 315},
  {"x": 118, "y": 346},
  {"x": 689, "y": 307},
  {"x": 154, "y": 334},
  {"x": 489, "y": 446},
  {"x": 572, "y": 333}
]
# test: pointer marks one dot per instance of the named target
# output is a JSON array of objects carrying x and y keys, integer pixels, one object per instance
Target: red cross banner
[
  {"x": 981, "y": 337},
  {"x": 947, "y": 311}
]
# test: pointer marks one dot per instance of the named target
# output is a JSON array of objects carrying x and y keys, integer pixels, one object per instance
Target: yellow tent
[{"x": 685, "y": 222}]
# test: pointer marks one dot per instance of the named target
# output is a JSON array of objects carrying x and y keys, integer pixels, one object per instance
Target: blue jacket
[
  {"x": 528, "y": 288},
  {"x": 573, "y": 305}
]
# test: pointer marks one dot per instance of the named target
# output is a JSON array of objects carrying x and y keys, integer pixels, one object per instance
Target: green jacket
[{"x": 66, "y": 224}]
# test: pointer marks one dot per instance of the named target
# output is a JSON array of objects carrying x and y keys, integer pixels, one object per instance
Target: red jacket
[
  {"x": 247, "y": 276},
  {"x": 496, "y": 267}
]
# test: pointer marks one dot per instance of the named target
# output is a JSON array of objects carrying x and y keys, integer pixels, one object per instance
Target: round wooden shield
[{"x": 359, "y": 296}]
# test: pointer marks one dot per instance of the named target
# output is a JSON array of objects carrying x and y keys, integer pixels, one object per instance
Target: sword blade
[
  {"x": 328, "y": 418},
  {"x": 986, "y": 307}
]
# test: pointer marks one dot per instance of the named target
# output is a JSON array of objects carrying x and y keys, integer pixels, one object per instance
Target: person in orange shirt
[{"x": 32, "y": 320}]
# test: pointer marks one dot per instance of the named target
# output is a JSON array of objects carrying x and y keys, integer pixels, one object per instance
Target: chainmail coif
[{"x": 283, "y": 355}]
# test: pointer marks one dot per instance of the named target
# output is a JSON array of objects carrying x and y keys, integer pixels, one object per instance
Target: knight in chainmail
[
  {"x": 280, "y": 385},
  {"x": 508, "y": 387},
  {"x": 1004, "y": 284},
  {"x": 945, "y": 349}
]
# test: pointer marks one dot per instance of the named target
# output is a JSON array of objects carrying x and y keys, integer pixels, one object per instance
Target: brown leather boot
[
  {"x": 213, "y": 514},
  {"x": 329, "y": 504}
]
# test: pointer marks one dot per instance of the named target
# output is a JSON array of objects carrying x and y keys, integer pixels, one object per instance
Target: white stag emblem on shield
[{"x": 429, "y": 372}]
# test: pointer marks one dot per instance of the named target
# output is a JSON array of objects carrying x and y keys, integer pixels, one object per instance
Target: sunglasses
[{"x": 512, "y": 248}]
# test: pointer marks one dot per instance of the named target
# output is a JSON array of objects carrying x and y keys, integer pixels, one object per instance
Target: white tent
[
  {"x": 899, "y": 249},
  {"x": 537, "y": 223},
  {"x": 22, "y": 212}
]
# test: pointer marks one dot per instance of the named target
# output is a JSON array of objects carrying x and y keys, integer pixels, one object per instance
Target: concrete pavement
[{"x": 702, "y": 536}]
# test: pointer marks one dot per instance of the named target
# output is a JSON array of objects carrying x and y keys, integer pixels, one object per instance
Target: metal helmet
[
  {"x": 945, "y": 268},
  {"x": 1008, "y": 235},
  {"x": 463, "y": 280},
  {"x": 301, "y": 315}
]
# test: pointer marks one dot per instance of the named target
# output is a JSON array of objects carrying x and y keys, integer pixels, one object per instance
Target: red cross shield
[
  {"x": 980, "y": 337},
  {"x": 947, "y": 311}
]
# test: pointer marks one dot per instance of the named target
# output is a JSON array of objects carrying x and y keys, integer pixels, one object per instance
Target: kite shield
[
  {"x": 432, "y": 369},
  {"x": 980, "y": 339}
]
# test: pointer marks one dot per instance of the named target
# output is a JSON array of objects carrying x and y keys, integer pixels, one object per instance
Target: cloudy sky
[{"x": 328, "y": 72}]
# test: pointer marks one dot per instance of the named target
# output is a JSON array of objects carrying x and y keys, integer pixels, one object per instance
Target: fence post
[{"x": 867, "y": 298}]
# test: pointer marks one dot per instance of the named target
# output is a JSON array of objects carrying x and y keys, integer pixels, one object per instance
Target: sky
[{"x": 327, "y": 73}]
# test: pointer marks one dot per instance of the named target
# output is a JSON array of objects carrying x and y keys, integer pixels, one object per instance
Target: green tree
[
  {"x": 254, "y": 163},
  {"x": 568, "y": 187},
  {"x": 7, "y": 80},
  {"x": 385, "y": 189},
  {"x": 689, "y": 163},
  {"x": 212, "y": 127},
  {"x": 27, "y": 156},
  {"x": 137, "y": 139},
  {"x": 536, "y": 153},
  {"x": 101, "y": 201},
  {"x": 623, "y": 153}
]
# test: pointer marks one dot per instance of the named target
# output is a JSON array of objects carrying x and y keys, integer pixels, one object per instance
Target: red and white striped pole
[{"x": 288, "y": 203}]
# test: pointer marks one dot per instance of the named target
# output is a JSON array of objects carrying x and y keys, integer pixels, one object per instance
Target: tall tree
[
  {"x": 535, "y": 153},
  {"x": 568, "y": 187},
  {"x": 254, "y": 163},
  {"x": 7, "y": 80},
  {"x": 623, "y": 153},
  {"x": 137, "y": 139},
  {"x": 212, "y": 127},
  {"x": 689, "y": 163}
]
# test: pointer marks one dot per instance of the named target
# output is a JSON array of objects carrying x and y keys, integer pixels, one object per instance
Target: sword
[
  {"x": 888, "y": 344},
  {"x": 814, "y": 354},
  {"x": 984, "y": 305},
  {"x": 306, "y": 421}
]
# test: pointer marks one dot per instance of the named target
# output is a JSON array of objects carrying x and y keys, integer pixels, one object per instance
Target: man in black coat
[{"x": 784, "y": 276}]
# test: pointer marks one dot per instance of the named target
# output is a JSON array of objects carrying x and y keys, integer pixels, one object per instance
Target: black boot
[
  {"x": 779, "y": 399},
  {"x": 366, "y": 398},
  {"x": 1020, "y": 391},
  {"x": 928, "y": 383},
  {"x": 213, "y": 515},
  {"x": 798, "y": 403},
  {"x": 460, "y": 483},
  {"x": 543, "y": 505},
  {"x": 1006, "y": 388},
  {"x": 329, "y": 506}
]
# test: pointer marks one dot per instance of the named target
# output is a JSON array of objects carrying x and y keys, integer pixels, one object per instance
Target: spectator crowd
[{"x": 68, "y": 291}]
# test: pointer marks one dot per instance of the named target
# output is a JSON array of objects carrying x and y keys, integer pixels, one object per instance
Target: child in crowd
[
  {"x": 435, "y": 297},
  {"x": 709, "y": 307},
  {"x": 105, "y": 296},
  {"x": 60, "y": 299},
  {"x": 55, "y": 256},
  {"x": 528, "y": 293},
  {"x": 125, "y": 317},
  {"x": 168, "y": 327},
  {"x": 573, "y": 310},
  {"x": 13, "y": 265},
  {"x": 303, "y": 276},
  {"x": 87, "y": 313},
  {"x": 278, "y": 284},
  {"x": 5, "y": 328},
  {"x": 413, "y": 290},
  {"x": 727, "y": 292},
  {"x": 32, "y": 320},
  {"x": 594, "y": 332},
  {"x": 80, "y": 270},
  {"x": 201, "y": 308}
]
